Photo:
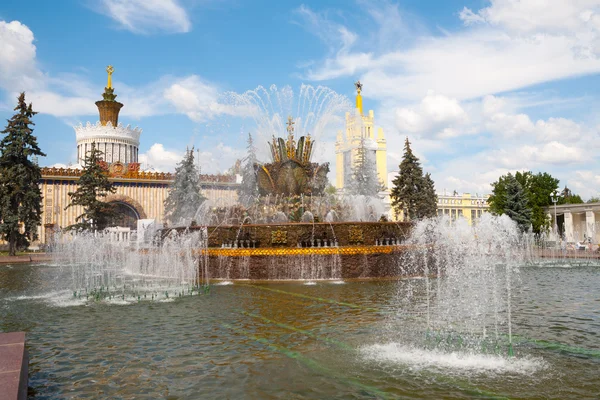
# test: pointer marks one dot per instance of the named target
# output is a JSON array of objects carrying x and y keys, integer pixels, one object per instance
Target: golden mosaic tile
[{"x": 297, "y": 251}]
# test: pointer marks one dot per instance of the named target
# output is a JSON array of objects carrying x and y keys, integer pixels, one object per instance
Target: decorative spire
[
  {"x": 291, "y": 144},
  {"x": 108, "y": 107},
  {"x": 358, "y": 87}
]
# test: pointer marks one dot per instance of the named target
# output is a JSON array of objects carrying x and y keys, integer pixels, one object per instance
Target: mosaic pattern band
[{"x": 295, "y": 251}]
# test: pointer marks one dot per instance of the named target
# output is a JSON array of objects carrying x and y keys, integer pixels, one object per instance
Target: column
[
  {"x": 569, "y": 234},
  {"x": 590, "y": 225}
]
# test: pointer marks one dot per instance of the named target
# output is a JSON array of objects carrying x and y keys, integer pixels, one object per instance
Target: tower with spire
[
  {"x": 119, "y": 144},
  {"x": 358, "y": 127}
]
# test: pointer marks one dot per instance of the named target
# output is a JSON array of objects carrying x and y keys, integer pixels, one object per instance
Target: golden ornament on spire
[
  {"x": 358, "y": 87},
  {"x": 110, "y": 71}
]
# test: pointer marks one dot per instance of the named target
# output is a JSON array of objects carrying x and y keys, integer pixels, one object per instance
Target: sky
[{"x": 480, "y": 87}]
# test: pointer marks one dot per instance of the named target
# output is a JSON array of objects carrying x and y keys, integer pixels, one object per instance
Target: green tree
[
  {"x": 364, "y": 174},
  {"x": 248, "y": 189},
  {"x": 93, "y": 185},
  {"x": 20, "y": 194},
  {"x": 593, "y": 199},
  {"x": 516, "y": 203},
  {"x": 413, "y": 192},
  {"x": 538, "y": 189},
  {"x": 185, "y": 195},
  {"x": 427, "y": 207}
]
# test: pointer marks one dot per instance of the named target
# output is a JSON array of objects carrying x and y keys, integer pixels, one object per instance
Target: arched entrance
[
  {"x": 128, "y": 211},
  {"x": 125, "y": 215}
]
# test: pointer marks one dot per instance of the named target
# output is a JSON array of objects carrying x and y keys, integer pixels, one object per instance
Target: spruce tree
[
  {"x": 427, "y": 207},
  {"x": 185, "y": 195},
  {"x": 413, "y": 193},
  {"x": 249, "y": 187},
  {"x": 365, "y": 181},
  {"x": 92, "y": 186},
  {"x": 516, "y": 203},
  {"x": 20, "y": 194}
]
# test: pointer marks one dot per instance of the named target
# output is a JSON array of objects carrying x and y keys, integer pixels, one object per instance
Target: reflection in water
[{"x": 281, "y": 339}]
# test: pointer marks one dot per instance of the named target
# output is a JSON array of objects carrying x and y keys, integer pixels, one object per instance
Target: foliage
[
  {"x": 516, "y": 203},
  {"x": 364, "y": 174},
  {"x": 330, "y": 190},
  {"x": 413, "y": 192},
  {"x": 428, "y": 205},
  {"x": 593, "y": 199},
  {"x": 20, "y": 195},
  {"x": 538, "y": 189},
  {"x": 248, "y": 189},
  {"x": 93, "y": 185},
  {"x": 185, "y": 195}
]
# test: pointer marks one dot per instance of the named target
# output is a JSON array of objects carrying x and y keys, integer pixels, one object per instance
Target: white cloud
[
  {"x": 536, "y": 15},
  {"x": 476, "y": 141},
  {"x": 200, "y": 100},
  {"x": 213, "y": 161},
  {"x": 148, "y": 16},
  {"x": 18, "y": 70},
  {"x": 73, "y": 95},
  {"x": 558, "y": 129},
  {"x": 157, "y": 158},
  {"x": 486, "y": 57},
  {"x": 436, "y": 114}
]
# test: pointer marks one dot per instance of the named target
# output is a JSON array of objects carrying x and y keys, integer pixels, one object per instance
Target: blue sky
[{"x": 480, "y": 87}]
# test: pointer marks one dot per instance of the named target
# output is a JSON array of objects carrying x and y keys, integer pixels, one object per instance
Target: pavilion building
[
  {"x": 139, "y": 195},
  {"x": 360, "y": 128}
]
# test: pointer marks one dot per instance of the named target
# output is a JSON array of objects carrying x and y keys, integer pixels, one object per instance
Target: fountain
[
  {"x": 293, "y": 230},
  {"x": 463, "y": 312},
  {"x": 477, "y": 323}
]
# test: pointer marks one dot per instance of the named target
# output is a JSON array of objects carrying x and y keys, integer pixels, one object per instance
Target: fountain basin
[{"x": 342, "y": 250}]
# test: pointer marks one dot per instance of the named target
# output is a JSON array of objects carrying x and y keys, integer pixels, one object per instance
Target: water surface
[{"x": 293, "y": 341}]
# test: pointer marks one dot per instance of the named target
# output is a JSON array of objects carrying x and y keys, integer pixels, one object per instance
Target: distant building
[
  {"x": 359, "y": 127},
  {"x": 139, "y": 195},
  {"x": 465, "y": 205},
  {"x": 576, "y": 222}
]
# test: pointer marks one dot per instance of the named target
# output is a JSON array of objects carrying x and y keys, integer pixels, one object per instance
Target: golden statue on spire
[
  {"x": 358, "y": 86},
  {"x": 110, "y": 71}
]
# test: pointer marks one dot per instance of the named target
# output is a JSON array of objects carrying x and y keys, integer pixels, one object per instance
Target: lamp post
[{"x": 555, "y": 200}]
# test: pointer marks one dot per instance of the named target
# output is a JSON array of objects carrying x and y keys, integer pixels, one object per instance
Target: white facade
[{"x": 118, "y": 144}]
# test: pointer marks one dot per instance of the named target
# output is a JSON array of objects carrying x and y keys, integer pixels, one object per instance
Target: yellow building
[
  {"x": 139, "y": 194},
  {"x": 463, "y": 206},
  {"x": 359, "y": 127}
]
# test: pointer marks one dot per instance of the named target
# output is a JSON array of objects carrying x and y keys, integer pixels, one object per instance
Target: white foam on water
[
  {"x": 61, "y": 294},
  {"x": 310, "y": 283},
  {"x": 67, "y": 302},
  {"x": 169, "y": 300},
  {"x": 337, "y": 282},
  {"x": 224, "y": 283},
  {"x": 419, "y": 358}
]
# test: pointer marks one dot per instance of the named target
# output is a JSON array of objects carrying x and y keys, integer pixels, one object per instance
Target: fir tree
[
  {"x": 427, "y": 207},
  {"x": 364, "y": 174},
  {"x": 516, "y": 203},
  {"x": 249, "y": 187},
  {"x": 20, "y": 194},
  {"x": 413, "y": 193},
  {"x": 185, "y": 195},
  {"x": 92, "y": 186}
]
